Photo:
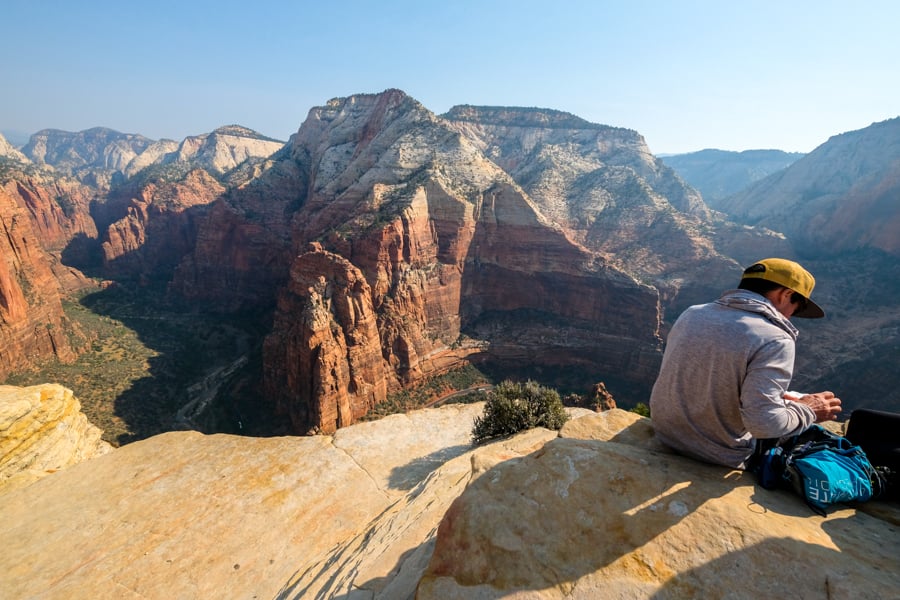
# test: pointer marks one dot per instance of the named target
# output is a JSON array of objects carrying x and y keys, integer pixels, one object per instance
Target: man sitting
[{"x": 723, "y": 382}]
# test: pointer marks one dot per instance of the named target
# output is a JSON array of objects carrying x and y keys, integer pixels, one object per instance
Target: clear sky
[{"x": 687, "y": 75}]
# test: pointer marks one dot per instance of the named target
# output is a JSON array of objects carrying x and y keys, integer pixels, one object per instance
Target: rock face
[
  {"x": 42, "y": 430},
  {"x": 224, "y": 149},
  {"x": 9, "y": 151},
  {"x": 606, "y": 190},
  {"x": 92, "y": 156},
  {"x": 59, "y": 208},
  {"x": 384, "y": 510},
  {"x": 717, "y": 174},
  {"x": 327, "y": 347},
  {"x": 423, "y": 239},
  {"x": 840, "y": 197},
  {"x": 32, "y": 323},
  {"x": 154, "y": 224}
]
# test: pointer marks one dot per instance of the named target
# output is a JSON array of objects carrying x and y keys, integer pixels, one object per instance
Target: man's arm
[{"x": 765, "y": 413}]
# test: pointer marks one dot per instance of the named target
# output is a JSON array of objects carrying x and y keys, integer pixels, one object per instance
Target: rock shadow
[
  {"x": 413, "y": 473},
  {"x": 155, "y": 358},
  {"x": 821, "y": 571}
]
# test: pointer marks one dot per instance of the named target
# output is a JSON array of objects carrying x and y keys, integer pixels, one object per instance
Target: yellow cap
[{"x": 790, "y": 275}]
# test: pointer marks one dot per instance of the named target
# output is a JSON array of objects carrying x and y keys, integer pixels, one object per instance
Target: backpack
[{"x": 822, "y": 467}]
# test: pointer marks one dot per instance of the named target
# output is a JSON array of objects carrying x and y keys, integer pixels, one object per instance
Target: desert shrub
[
  {"x": 514, "y": 407},
  {"x": 642, "y": 409}
]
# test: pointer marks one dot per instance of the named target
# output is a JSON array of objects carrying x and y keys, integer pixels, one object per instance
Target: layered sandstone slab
[
  {"x": 194, "y": 516},
  {"x": 601, "y": 512},
  {"x": 42, "y": 430},
  {"x": 587, "y": 519}
]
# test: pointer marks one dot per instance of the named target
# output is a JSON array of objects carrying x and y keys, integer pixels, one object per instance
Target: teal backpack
[{"x": 822, "y": 467}]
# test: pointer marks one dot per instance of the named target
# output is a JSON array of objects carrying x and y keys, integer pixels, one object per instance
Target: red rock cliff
[
  {"x": 32, "y": 323},
  {"x": 436, "y": 241}
]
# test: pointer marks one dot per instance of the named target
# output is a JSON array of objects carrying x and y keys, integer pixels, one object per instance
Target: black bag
[{"x": 877, "y": 432}]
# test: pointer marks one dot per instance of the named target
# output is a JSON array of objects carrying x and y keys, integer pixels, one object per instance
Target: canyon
[{"x": 384, "y": 245}]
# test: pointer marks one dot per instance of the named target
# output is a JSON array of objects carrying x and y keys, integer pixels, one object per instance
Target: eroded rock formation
[
  {"x": 440, "y": 242},
  {"x": 157, "y": 226},
  {"x": 42, "y": 430},
  {"x": 405, "y": 507},
  {"x": 33, "y": 326}
]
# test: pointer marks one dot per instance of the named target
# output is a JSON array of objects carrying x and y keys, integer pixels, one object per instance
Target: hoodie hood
[{"x": 752, "y": 302}]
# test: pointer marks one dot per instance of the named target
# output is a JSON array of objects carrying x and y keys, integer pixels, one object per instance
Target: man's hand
[{"x": 824, "y": 404}]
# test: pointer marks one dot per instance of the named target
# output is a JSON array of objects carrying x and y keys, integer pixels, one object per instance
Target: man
[{"x": 723, "y": 383}]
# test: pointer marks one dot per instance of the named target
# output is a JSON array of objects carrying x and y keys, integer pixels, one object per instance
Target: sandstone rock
[
  {"x": 839, "y": 197},
  {"x": 609, "y": 519},
  {"x": 187, "y": 515},
  {"x": 604, "y": 187},
  {"x": 224, "y": 149},
  {"x": 385, "y": 507},
  {"x": 325, "y": 367},
  {"x": 159, "y": 224},
  {"x": 58, "y": 208},
  {"x": 447, "y": 244},
  {"x": 42, "y": 430},
  {"x": 9, "y": 151},
  {"x": 32, "y": 323}
]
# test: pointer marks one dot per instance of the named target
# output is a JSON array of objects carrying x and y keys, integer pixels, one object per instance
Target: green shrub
[
  {"x": 642, "y": 409},
  {"x": 514, "y": 407}
]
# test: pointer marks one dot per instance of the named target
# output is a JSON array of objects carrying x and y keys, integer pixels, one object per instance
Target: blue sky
[{"x": 686, "y": 75}]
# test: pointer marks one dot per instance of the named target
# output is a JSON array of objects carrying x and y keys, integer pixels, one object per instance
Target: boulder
[
  {"x": 42, "y": 430},
  {"x": 587, "y": 518}
]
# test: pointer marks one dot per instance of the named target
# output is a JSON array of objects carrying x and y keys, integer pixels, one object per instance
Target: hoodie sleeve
[{"x": 766, "y": 414}]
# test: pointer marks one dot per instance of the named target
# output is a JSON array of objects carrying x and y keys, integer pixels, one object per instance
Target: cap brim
[{"x": 810, "y": 311}]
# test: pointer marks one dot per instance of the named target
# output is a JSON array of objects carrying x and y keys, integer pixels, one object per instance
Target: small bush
[
  {"x": 642, "y": 409},
  {"x": 514, "y": 407}
]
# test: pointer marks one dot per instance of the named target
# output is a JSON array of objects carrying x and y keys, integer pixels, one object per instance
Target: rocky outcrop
[
  {"x": 582, "y": 518},
  {"x": 102, "y": 157},
  {"x": 33, "y": 326},
  {"x": 717, "y": 174},
  {"x": 440, "y": 242},
  {"x": 607, "y": 191},
  {"x": 382, "y": 510},
  {"x": 93, "y": 156},
  {"x": 224, "y": 149},
  {"x": 158, "y": 227},
  {"x": 325, "y": 345},
  {"x": 42, "y": 430},
  {"x": 59, "y": 209},
  {"x": 8, "y": 151}
]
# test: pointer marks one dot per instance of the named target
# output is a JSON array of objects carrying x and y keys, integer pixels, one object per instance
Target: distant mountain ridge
[
  {"x": 841, "y": 196},
  {"x": 718, "y": 174},
  {"x": 102, "y": 156}
]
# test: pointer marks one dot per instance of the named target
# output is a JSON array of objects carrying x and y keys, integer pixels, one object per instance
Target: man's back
[{"x": 726, "y": 367}]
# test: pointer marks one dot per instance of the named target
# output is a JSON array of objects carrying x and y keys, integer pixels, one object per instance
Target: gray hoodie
[{"x": 721, "y": 386}]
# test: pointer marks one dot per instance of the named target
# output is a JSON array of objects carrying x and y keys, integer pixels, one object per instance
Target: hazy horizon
[{"x": 687, "y": 76}]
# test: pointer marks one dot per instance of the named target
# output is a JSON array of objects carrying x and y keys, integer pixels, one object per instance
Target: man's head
[{"x": 770, "y": 275}]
